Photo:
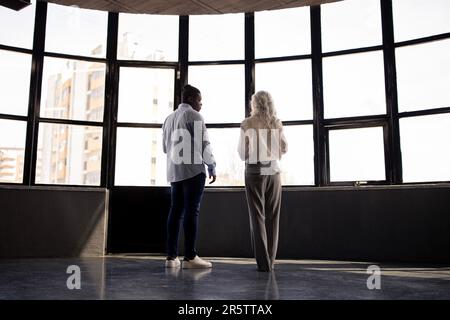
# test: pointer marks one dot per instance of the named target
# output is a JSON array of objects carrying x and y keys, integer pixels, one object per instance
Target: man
[{"x": 186, "y": 143}]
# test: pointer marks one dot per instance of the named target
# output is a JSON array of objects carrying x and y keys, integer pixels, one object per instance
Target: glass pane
[
  {"x": 73, "y": 89},
  {"x": 17, "y": 27},
  {"x": 423, "y": 76},
  {"x": 282, "y": 32},
  {"x": 357, "y": 154},
  {"x": 12, "y": 150},
  {"x": 425, "y": 143},
  {"x": 145, "y": 94},
  {"x": 140, "y": 37},
  {"x": 420, "y": 18},
  {"x": 70, "y": 154},
  {"x": 216, "y": 37},
  {"x": 223, "y": 92},
  {"x": 297, "y": 165},
  {"x": 15, "y": 69},
  {"x": 353, "y": 85},
  {"x": 224, "y": 146},
  {"x": 351, "y": 24},
  {"x": 290, "y": 84},
  {"x": 140, "y": 160},
  {"x": 76, "y": 31}
]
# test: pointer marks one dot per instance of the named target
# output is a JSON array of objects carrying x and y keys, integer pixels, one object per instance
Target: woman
[{"x": 261, "y": 145}]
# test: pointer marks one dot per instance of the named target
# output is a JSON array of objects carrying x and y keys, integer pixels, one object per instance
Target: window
[
  {"x": 423, "y": 76},
  {"x": 15, "y": 69},
  {"x": 356, "y": 154},
  {"x": 66, "y": 90},
  {"x": 290, "y": 84},
  {"x": 72, "y": 97},
  {"x": 224, "y": 146},
  {"x": 297, "y": 165},
  {"x": 282, "y": 32},
  {"x": 353, "y": 85},
  {"x": 139, "y": 88},
  {"x": 66, "y": 165},
  {"x": 222, "y": 88},
  {"x": 76, "y": 31},
  {"x": 216, "y": 37},
  {"x": 425, "y": 148},
  {"x": 420, "y": 18},
  {"x": 134, "y": 165},
  {"x": 140, "y": 37},
  {"x": 351, "y": 24},
  {"x": 16, "y": 27},
  {"x": 12, "y": 150}
]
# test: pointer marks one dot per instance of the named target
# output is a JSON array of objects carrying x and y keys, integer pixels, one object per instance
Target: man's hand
[{"x": 212, "y": 178}]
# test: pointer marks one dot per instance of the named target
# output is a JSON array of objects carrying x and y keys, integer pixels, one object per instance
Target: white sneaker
[
  {"x": 175, "y": 263},
  {"x": 196, "y": 263}
]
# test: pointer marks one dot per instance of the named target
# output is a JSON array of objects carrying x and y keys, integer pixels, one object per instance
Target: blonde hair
[{"x": 262, "y": 106}]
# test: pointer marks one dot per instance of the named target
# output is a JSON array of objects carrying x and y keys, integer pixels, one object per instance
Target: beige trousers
[{"x": 264, "y": 203}]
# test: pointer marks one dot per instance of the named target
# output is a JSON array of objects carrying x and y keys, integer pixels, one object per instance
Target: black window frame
[{"x": 321, "y": 126}]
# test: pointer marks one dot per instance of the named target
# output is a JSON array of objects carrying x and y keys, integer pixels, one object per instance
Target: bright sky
[{"x": 146, "y": 34}]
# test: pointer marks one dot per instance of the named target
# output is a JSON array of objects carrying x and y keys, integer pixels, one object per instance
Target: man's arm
[
  {"x": 164, "y": 145},
  {"x": 208, "y": 157}
]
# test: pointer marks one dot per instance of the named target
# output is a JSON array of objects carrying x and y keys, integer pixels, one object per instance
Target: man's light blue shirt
[{"x": 184, "y": 123}]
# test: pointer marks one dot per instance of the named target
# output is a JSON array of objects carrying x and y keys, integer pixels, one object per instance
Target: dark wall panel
[
  {"x": 52, "y": 222},
  {"x": 405, "y": 223},
  {"x": 139, "y": 218}
]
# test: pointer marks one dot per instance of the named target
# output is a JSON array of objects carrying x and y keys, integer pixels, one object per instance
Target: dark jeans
[{"x": 185, "y": 204}]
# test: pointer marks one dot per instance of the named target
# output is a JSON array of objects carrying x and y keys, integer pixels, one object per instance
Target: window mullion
[
  {"x": 30, "y": 159},
  {"x": 392, "y": 138}
]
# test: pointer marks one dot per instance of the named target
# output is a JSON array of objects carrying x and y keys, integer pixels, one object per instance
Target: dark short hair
[{"x": 189, "y": 92}]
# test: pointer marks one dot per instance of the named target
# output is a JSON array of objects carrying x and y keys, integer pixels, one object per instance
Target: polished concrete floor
[{"x": 144, "y": 277}]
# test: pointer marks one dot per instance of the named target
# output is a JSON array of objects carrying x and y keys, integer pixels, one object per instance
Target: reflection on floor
[{"x": 144, "y": 277}]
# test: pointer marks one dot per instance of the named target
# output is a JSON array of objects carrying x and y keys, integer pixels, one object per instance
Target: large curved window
[{"x": 362, "y": 88}]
